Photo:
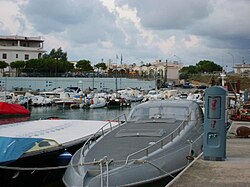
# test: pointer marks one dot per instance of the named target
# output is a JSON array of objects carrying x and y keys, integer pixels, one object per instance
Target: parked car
[
  {"x": 187, "y": 86},
  {"x": 202, "y": 87}
]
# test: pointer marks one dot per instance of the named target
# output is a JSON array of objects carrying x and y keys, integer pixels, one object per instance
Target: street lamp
[
  {"x": 178, "y": 58},
  {"x": 166, "y": 73},
  {"x": 231, "y": 56}
]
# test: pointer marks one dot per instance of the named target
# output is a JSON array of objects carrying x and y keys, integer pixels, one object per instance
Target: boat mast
[{"x": 120, "y": 75}]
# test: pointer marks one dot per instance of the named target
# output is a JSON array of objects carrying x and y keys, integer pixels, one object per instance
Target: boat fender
[
  {"x": 92, "y": 101},
  {"x": 243, "y": 131},
  {"x": 189, "y": 157}
]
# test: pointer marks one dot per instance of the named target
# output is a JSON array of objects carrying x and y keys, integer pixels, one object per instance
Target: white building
[
  {"x": 163, "y": 70},
  {"x": 172, "y": 70},
  {"x": 242, "y": 68},
  {"x": 15, "y": 48}
]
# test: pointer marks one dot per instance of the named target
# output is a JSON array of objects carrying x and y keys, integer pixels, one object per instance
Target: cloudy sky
[{"x": 139, "y": 30}]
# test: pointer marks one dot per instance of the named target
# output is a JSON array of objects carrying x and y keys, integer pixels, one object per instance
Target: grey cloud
[
  {"x": 61, "y": 15},
  {"x": 170, "y": 14},
  {"x": 228, "y": 25},
  {"x": 47, "y": 16},
  {"x": 86, "y": 23},
  {"x": 79, "y": 22},
  {"x": 219, "y": 24}
]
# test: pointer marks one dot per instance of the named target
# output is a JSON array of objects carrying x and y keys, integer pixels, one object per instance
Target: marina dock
[{"x": 234, "y": 171}]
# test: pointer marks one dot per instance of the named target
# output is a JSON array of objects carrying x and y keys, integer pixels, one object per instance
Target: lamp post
[
  {"x": 155, "y": 76},
  {"x": 166, "y": 73},
  {"x": 232, "y": 57},
  {"x": 178, "y": 58},
  {"x": 116, "y": 88}
]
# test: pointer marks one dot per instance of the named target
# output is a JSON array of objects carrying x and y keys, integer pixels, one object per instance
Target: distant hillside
[{"x": 207, "y": 79}]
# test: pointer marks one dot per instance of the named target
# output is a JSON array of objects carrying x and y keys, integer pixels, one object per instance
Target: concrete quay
[{"x": 233, "y": 172}]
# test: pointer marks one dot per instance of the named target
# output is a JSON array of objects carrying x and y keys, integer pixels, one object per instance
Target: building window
[
  {"x": 26, "y": 57},
  {"x": 16, "y": 55},
  {"x": 4, "y": 56}
]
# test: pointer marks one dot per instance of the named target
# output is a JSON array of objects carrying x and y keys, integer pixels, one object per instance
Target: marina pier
[{"x": 234, "y": 171}]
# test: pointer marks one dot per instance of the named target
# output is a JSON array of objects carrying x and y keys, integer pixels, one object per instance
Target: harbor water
[{"x": 81, "y": 114}]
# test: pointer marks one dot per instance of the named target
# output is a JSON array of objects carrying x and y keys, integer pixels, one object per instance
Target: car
[
  {"x": 187, "y": 86},
  {"x": 202, "y": 87}
]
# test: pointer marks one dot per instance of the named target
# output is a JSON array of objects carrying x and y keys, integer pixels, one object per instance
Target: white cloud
[
  {"x": 8, "y": 19},
  {"x": 167, "y": 45},
  {"x": 191, "y": 41}
]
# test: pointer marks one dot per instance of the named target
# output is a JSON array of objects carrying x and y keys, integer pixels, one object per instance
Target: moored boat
[
  {"x": 155, "y": 143},
  {"x": 118, "y": 103},
  {"x": 36, "y": 144},
  {"x": 67, "y": 103},
  {"x": 98, "y": 103},
  {"x": 8, "y": 110},
  {"x": 243, "y": 113}
]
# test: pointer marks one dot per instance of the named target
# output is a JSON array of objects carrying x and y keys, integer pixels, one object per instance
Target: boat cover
[
  {"x": 13, "y": 148},
  {"x": 15, "y": 109},
  {"x": 62, "y": 131}
]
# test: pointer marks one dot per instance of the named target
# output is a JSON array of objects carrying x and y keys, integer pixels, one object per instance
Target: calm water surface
[{"x": 82, "y": 114}]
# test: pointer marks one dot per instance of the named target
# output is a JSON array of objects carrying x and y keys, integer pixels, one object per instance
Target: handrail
[
  {"x": 161, "y": 141},
  {"x": 100, "y": 132}
]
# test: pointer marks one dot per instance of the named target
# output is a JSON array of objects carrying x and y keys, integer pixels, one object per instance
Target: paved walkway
[{"x": 233, "y": 172}]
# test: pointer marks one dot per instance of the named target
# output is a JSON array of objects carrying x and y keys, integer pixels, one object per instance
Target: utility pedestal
[{"x": 214, "y": 138}]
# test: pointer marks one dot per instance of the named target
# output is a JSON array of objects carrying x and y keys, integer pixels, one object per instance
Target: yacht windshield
[{"x": 158, "y": 113}]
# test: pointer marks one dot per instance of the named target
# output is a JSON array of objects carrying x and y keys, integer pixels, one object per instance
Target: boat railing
[
  {"x": 160, "y": 143},
  {"x": 99, "y": 133}
]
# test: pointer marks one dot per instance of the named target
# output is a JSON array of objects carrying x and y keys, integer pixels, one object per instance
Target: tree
[
  {"x": 201, "y": 67},
  {"x": 47, "y": 67},
  {"x": 189, "y": 70},
  {"x": 3, "y": 65},
  {"x": 18, "y": 65},
  {"x": 207, "y": 66},
  {"x": 183, "y": 76},
  {"x": 101, "y": 66},
  {"x": 57, "y": 54},
  {"x": 84, "y": 65}
]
